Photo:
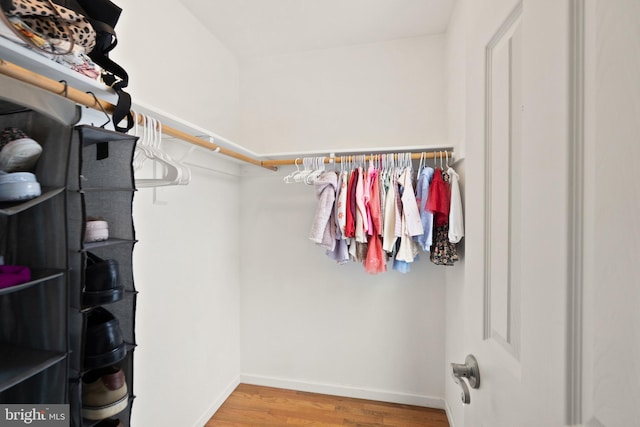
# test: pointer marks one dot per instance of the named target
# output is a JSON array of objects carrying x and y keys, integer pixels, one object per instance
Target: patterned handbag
[{"x": 49, "y": 26}]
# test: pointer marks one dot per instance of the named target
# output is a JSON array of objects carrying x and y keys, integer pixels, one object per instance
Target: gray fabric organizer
[{"x": 42, "y": 322}]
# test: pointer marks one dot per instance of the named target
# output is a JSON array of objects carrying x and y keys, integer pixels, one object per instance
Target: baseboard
[
  {"x": 345, "y": 391},
  {"x": 206, "y": 416}
]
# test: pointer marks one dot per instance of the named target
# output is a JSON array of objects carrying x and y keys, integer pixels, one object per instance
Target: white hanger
[
  {"x": 289, "y": 178},
  {"x": 318, "y": 165},
  {"x": 174, "y": 173}
]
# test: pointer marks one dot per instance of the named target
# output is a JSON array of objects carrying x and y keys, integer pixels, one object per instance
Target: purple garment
[
  {"x": 13, "y": 275},
  {"x": 340, "y": 253},
  {"x": 323, "y": 227}
]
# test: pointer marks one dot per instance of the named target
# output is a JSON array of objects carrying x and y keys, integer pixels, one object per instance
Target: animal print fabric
[{"x": 40, "y": 16}]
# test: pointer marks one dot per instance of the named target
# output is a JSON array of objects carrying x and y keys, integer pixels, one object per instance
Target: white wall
[
  {"x": 307, "y": 323},
  {"x": 186, "y": 270},
  {"x": 371, "y": 95},
  {"x": 177, "y": 66},
  {"x": 612, "y": 169},
  {"x": 310, "y": 324},
  {"x": 186, "y": 264}
]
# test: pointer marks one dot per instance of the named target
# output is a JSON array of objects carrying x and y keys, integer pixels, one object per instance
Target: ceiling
[{"x": 252, "y": 28}]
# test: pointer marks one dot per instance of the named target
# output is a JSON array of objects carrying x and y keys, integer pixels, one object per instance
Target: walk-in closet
[{"x": 422, "y": 203}]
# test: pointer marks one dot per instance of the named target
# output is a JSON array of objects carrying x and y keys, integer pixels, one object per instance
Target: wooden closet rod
[
  {"x": 88, "y": 100},
  {"x": 428, "y": 154}
]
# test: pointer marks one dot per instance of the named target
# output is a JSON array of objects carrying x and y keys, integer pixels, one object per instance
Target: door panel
[
  {"x": 515, "y": 294},
  {"x": 503, "y": 183}
]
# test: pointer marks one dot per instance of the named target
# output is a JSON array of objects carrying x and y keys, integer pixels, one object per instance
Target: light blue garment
[
  {"x": 403, "y": 266},
  {"x": 422, "y": 195}
]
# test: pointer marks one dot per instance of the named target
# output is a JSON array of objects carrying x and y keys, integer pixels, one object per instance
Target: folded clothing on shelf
[
  {"x": 104, "y": 394},
  {"x": 13, "y": 275},
  {"x": 18, "y": 186},
  {"x": 96, "y": 230},
  {"x": 18, "y": 152}
]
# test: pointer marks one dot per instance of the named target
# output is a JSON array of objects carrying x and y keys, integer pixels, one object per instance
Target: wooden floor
[{"x": 252, "y": 405}]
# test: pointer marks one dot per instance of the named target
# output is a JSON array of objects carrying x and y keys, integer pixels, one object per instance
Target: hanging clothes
[
  {"x": 422, "y": 196},
  {"x": 443, "y": 252},
  {"x": 340, "y": 252},
  {"x": 341, "y": 196},
  {"x": 456, "y": 220},
  {"x": 410, "y": 222},
  {"x": 375, "y": 261},
  {"x": 390, "y": 208},
  {"x": 363, "y": 226},
  {"x": 350, "y": 227},
  {"x": 379, "y": 214},
  {"x": 323, "y": 227}
]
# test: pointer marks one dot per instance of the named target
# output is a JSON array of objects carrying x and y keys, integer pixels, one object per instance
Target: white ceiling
[{"x": 270, "y": 27}]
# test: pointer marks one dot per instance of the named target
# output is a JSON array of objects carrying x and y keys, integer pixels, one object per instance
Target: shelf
[
  {"x": 31, "y": 59},
  {"x": 110, "y": 242},
  {"x": 37, "y": 276},
  {"x": 18, "y": 364},
  {"x": 101, "y": 189},
  {"x": 12, "y": 208},
  {"x": 86, "y": 309}
]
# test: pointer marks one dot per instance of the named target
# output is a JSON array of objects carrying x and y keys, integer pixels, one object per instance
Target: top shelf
[{"x": 16, "y": 52}]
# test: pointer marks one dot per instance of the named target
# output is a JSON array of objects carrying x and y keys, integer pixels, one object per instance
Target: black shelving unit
[
  {"x": 34, "y": 341},
  {"x": 101, "y": 184},
  {"x": 43, "y": 322}
]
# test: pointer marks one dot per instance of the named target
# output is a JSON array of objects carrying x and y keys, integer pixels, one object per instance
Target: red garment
[
  {"x": 375, "y": 261},
  {"x": 350, "y": 226},
  {"x": 439, "y": 200}
]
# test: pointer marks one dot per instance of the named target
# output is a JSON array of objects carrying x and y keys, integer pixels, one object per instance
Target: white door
[{"x": 518, "y": 207}]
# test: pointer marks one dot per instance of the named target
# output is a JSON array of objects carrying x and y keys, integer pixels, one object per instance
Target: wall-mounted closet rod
[
  {"x": 428, "y": 154},
  {"x": 88, "y": 100},
  {"x": 79, "y": 97}
]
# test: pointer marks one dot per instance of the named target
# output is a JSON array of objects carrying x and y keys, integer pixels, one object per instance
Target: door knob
[{"x": 471, "y": 372}]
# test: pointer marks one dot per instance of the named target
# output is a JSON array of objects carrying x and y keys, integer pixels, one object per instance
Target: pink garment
[
  {"x": 375, "y": 212},
  {"x": 360, "y": 199},
  {"x": 368, "y": 180},
  {"x": 341, "y": 203},
  {"x": 375, "y": 261}
]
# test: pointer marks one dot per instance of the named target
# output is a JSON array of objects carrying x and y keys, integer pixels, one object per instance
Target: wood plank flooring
[{"x": 252, "y": 405}]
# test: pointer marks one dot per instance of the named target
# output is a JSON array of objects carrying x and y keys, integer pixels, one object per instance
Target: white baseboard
[
  {"x": 345, "y": 391},
  {"x": 206, "y": 416}
]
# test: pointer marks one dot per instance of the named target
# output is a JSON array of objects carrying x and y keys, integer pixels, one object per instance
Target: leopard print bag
[{"x": 53, "y": 22}]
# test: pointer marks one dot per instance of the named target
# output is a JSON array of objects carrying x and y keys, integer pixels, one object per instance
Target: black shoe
[
  {"x": 104, "y": 344},
  {"x": 101, "y": 281},
  {"x": 110, "y": 422}
]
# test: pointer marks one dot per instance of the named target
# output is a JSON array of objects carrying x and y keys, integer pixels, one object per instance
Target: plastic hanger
[
  {"x": 289, "y": 178},
  {"x": 173, "y": 173}
]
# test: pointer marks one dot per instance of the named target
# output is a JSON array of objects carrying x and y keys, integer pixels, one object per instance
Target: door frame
[{"x": 575, "y": 255}]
